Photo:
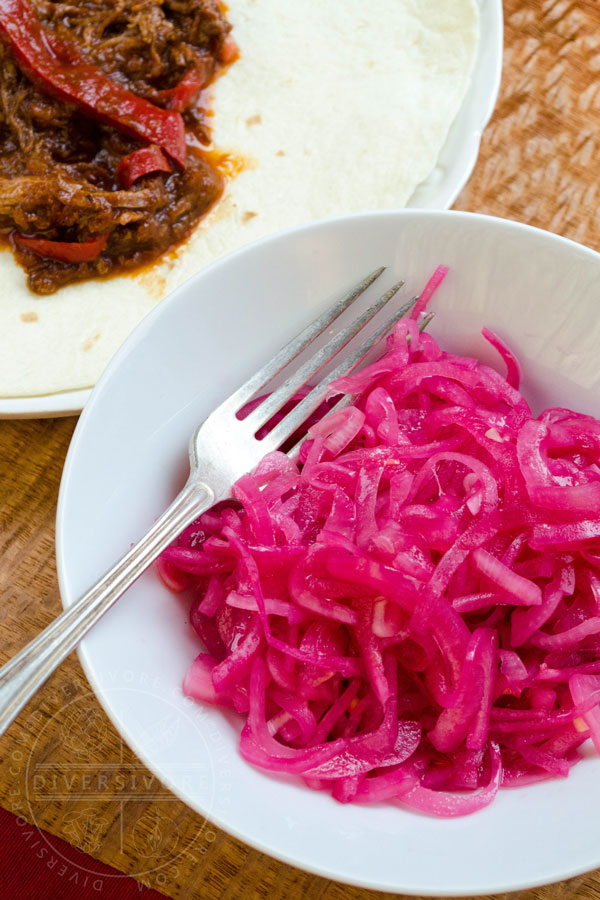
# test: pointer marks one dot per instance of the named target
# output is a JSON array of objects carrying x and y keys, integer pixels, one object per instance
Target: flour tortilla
[{"x": 333, "y": 107}]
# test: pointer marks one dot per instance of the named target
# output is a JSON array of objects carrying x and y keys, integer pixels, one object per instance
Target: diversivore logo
[{"x": 99, "y": 772}]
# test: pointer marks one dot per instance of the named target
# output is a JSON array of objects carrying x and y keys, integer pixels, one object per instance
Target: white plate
[
  {"x": 128, "y": 459},
  {"x": 456, "y": 162}
]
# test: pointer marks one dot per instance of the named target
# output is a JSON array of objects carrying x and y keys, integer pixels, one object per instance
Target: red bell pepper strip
[
  {"x": 86, "y": 86},
  {"x": 198, "y": 77},
  {"x": 65, "y": 251},
  {"x": 192, "y": 82},
  {"x": 141, "y": 162},
  {"x": 229, "y": 51}
]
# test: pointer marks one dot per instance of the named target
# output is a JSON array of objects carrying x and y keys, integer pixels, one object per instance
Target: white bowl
[
  {"x": 128, "y": 458},
  {"x": 439, "y": 191}
]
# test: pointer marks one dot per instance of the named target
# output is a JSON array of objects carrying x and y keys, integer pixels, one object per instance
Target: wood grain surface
[{"x": 62, "y": 764}]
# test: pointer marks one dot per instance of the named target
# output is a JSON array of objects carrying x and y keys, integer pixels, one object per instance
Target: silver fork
[{"x": 223, "y": 448}]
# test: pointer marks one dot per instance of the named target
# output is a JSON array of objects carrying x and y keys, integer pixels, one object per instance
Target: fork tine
[
  {"x": 297, "y": 379},
  {"x": 312, "y": 401},
  {"x": 348, "y": 399},
  {"x": 342, "y": 403},
  {"x": 426, "y": 320},
  {"x": 291, "y": 350}
]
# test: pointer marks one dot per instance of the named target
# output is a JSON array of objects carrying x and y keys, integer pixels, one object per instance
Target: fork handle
[{"x": 21, "y": 677}]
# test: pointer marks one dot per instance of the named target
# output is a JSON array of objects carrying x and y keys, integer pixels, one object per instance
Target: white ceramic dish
[
  {"x": 456, "y": 162},
  {"x": 128, "y": 458}
]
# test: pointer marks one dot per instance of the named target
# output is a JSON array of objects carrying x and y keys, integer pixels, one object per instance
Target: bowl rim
[{"x": 137, "y": 336}]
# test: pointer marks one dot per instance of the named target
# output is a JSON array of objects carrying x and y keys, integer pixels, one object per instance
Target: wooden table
[{"x": 538, "y": 164}]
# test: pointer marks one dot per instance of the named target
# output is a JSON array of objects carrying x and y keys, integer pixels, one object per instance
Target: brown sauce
[{"x": 58, "y": 167}]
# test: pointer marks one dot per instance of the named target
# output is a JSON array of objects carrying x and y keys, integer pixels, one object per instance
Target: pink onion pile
[{"x": 412, "y": 611}]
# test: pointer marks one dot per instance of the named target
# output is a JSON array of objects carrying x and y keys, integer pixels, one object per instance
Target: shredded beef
[{"x": 57, "y": 167}]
